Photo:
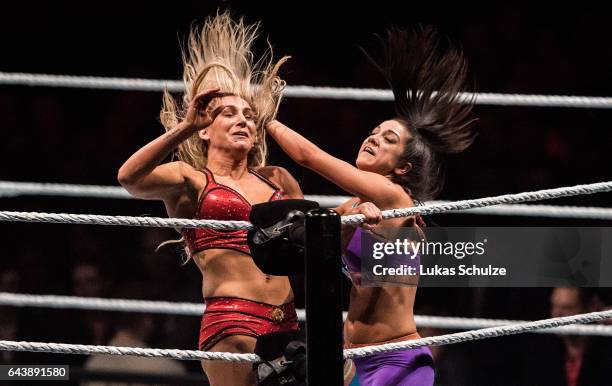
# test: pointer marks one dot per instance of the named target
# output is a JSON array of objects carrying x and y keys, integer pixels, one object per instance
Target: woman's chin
[
  {"x": 241, "y": 147},
  {"x": 363, "y": 164}
]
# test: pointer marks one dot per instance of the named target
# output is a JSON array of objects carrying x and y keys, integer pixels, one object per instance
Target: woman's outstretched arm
[{"x": 368, "y": 186}]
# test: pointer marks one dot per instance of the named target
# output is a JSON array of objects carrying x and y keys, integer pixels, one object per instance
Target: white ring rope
[
  {"x": 109, "y": 83},
  {"x": 94, "y": 219},
  {"x": 67, "y": 218},
  {"x": 197, "y": 309},
  {"x": 12, "y": 189},
  {"x": 61, "y": 348},
  {"x": 487, "y": 201},
  {"x": 101, "y": 304},
  {"x": 554, "y": 211},
  {"x": 457, "y": 323},
  {"x": 484, "y": 333}
]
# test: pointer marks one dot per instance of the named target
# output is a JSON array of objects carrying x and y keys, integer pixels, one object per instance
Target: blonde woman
[{"x": 218, "y": 135}]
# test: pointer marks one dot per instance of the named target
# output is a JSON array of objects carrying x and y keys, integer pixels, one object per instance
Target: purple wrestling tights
[{"x": 397, "y": 368}]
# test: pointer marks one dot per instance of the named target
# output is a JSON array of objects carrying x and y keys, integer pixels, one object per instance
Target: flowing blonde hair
[{"x": 218, "y": 55}]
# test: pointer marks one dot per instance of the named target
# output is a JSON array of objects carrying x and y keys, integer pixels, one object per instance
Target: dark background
[{"x": 83, "y": 136}]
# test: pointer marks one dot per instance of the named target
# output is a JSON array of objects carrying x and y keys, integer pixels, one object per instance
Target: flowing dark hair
[{"x": 426, "y": 80}]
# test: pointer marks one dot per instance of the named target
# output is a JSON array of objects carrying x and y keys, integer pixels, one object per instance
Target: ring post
[{"x": 323, "y": 299}]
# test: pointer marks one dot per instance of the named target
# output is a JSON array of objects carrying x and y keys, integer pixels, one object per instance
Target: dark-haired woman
[{"x": 399, "y": 162}]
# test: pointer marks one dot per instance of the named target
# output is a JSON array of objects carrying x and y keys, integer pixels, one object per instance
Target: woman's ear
[
  {"x": 203, "y": 134},
  {"x": 403, "y": 170}
]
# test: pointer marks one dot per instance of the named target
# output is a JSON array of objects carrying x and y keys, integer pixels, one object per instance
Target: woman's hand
[
  {"x": 273, "y": 124},
  {"x": 199, "y": 115},
  {"x": 143, "y": 174},
  {"x": 372, "y": 213}
]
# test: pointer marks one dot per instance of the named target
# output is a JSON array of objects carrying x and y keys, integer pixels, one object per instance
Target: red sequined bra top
[{"x": 220, "y": 202}]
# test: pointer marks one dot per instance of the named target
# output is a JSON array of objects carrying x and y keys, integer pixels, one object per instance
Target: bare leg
[{"x": 231, "y": 373}]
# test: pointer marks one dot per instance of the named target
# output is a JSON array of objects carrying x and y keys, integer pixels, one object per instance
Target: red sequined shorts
[{"x": 227, "y": 316}]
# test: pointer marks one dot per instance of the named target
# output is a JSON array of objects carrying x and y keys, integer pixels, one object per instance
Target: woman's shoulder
[
  {"x": 179, "y": 167},
  {"x": 282, "y": 178},
  {"x": 272, "y": 172},
  {"x": 276, "y": 174},
  {"x": 397, "y": 198},
  {"x": 188, "y": 171}
]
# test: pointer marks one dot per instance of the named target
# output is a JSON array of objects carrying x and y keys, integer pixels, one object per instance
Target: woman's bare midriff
[
  {"x": 227, "y": 272},
  {"x": 379, "y": 314}
]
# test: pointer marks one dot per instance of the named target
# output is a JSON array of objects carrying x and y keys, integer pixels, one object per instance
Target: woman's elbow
[
  {"x": 125, "y": 178},
  {"x": 130, "y": 183},
  {"x": 306, "y": 158}
]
